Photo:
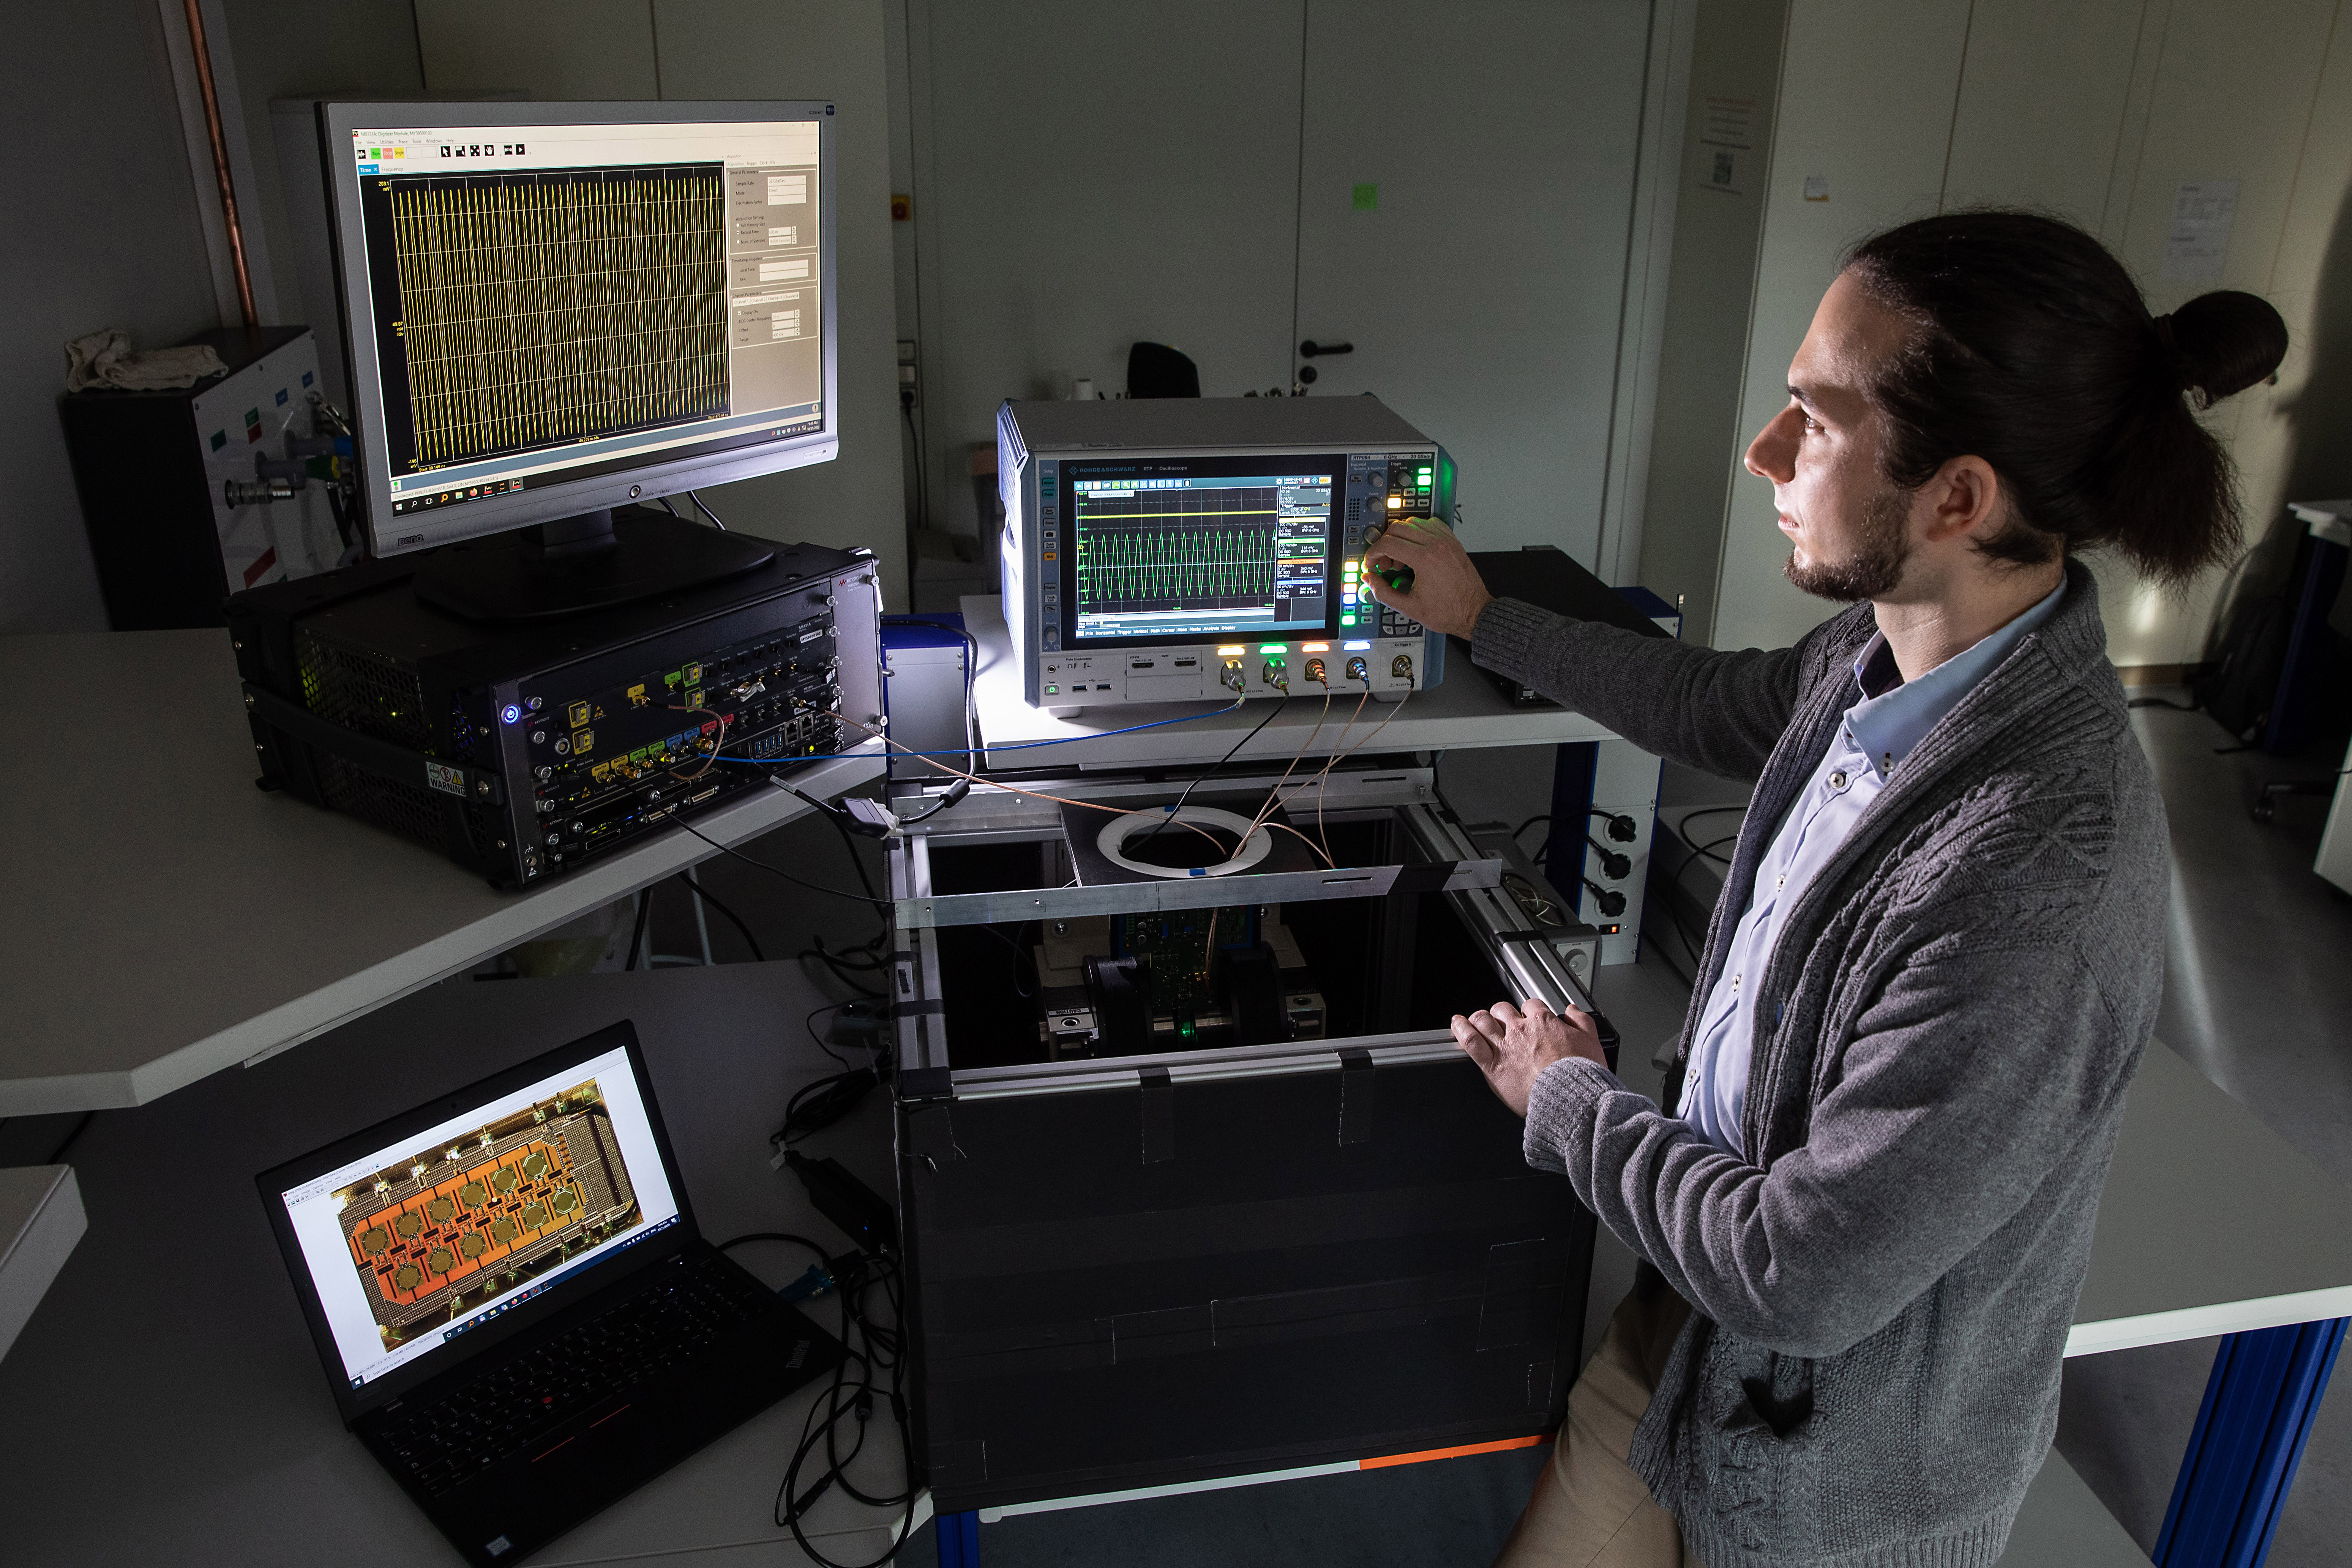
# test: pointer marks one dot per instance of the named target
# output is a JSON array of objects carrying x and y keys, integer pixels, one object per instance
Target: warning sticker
[{"x": 447, "y": 780}]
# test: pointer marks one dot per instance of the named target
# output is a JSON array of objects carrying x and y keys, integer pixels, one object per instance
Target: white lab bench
[{"x": 167, "y": 919}]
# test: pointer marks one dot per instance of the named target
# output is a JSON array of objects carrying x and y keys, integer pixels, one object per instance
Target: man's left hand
[{"x": 1513, "y": 1047}]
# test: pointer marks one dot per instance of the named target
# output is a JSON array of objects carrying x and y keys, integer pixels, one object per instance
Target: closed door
[{"x": 1466, "y": 195}]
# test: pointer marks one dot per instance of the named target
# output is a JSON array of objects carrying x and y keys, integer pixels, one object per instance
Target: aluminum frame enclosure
[
  {"x": 1132, "y": 1270},
  {"x": 1036, "y": 439}
]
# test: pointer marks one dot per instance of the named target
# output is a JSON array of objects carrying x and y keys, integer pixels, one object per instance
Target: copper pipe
[{"x": 220, "y": 165}]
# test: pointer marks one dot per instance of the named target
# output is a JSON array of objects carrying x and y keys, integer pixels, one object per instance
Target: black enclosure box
[
  {"x": 523, "y": 752},
  {"x": 1550, "y": 579},
  {"x": 1130, "y": 1267}
]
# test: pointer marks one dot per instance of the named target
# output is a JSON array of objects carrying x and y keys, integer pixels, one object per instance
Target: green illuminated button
[
  {"x": 1052, "y": 691},
  {"x": 1347, "y": 621},
  {"x": 1272, "y": 647}
]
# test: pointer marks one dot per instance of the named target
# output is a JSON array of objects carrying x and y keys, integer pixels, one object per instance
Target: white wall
[
  {"x": 109, "y": 237},
  {"x": 1865, "y": 101},
  {"x": 1088, "y": 175},
  {"x": 2098, "y": 110},
  {"x": 1718, "y": 227},
  {"x": 689, "y": 49}
]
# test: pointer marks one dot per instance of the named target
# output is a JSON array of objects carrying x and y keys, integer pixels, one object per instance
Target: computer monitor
[{"x": 553, "y": 310}]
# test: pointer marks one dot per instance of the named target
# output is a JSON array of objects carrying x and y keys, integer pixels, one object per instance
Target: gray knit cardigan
[{"x": 1947, "y": 1027}]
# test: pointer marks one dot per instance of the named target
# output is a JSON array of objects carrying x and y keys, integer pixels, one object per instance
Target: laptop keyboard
[{"x": 448, "y": 1443}]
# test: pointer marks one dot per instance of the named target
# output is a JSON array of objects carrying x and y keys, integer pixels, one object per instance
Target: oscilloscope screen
[{"x": 1179, "y": 548}]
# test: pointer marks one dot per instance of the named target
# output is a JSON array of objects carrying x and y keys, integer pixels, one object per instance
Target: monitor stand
[{"x": 593, "y": 561}]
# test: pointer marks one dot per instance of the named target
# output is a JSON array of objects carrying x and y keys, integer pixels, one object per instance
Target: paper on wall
[
  {"x": 1727, "y": 144},
  {"x": 2198, "y": 242}
]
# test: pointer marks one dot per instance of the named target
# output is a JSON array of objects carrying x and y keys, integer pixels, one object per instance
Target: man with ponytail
[{"x": 1863, "y": 1203}]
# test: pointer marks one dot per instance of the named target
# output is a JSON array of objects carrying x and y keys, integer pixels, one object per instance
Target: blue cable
[{"x": 961, "y": 751}]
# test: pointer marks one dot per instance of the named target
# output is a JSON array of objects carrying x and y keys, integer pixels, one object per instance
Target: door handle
[{"x": 1311, "y": 349}]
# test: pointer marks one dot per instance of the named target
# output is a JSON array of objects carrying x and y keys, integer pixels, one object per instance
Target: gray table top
[
  {"x": 166, "y": 919},
  {"x": 165, "y": 1404},
  {"x": 1463, "y": 710},
  {"x": 2210, "y": 1223}
]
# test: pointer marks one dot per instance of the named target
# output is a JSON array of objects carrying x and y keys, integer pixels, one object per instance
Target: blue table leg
[
  {"x": 958, "y": 1539},
  {"x": 1571, "y": 807},
  {"x": 2258, "y": 1409}
]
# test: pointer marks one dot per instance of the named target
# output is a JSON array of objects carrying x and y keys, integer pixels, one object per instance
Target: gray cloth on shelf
[
  {"x": 1949, "y": 1024},
  {"x": 105, "y": 359}
]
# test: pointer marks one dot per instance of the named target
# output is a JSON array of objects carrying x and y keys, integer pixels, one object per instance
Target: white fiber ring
[{"x": 1255, "y": 847}]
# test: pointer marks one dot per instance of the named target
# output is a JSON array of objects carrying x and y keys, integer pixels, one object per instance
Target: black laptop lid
[{"x": 435, "y": 1235}]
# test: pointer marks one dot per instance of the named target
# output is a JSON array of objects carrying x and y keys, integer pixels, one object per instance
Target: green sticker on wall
[{"x": 1367, "y": 199}]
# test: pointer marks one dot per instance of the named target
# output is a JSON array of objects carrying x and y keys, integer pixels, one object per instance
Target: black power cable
[
  {"x": 637, "y": 932},
  {"x": 922, "y": 464},
  {"x": 773, "y": 871},
  {"x": 704, "y": 893},
  {"x": 1614, "y": 866},
  {"x": 704, "y": 509},
  {"x": 1157, "y": 827}
]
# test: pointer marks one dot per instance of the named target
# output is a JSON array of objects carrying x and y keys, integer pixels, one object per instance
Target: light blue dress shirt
[{"x": 1879, "y": 732}]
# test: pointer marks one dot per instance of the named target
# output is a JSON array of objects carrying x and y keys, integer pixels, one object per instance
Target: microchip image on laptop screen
[{"x": 443, "y": 1228}]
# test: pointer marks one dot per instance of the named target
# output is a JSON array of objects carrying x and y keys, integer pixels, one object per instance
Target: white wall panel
[
  {"x": 1719, "y": 228},
  {"x": 1096, "y": 175},
  {"x": 112, "y": 238},
  {"x": 2041, "y": 112},
  {"x": 554, "y": 48},
  {"x": 1866, "y": 99},
  {"x": 1486, "y": 293}
]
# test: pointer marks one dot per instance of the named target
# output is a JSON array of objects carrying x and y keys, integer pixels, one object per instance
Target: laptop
[{"x": 518, "y": 1315}]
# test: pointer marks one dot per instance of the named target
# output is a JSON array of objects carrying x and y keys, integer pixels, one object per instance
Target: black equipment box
[
  {"x": 524, "y": 752},
  {"x": 1141, "y": 1255},
  {"x": 1550, "y": 579}
]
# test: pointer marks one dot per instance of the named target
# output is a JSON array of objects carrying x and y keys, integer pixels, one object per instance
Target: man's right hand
[{"x": 1447, "y": 594}]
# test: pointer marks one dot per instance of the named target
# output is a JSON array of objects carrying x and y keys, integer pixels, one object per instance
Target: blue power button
[{"x": 511, "y": 713}]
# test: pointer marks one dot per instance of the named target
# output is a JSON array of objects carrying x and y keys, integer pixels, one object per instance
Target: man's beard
[{"x": 1880, "y": 551}]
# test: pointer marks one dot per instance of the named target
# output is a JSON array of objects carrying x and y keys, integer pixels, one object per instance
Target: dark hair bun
[
  {"x": 2029, "y": 344},
  {"x": 2224, "y": 343}
]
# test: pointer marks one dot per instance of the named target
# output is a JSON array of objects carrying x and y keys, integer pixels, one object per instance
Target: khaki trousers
[{"x": 1589, "y": 1510}]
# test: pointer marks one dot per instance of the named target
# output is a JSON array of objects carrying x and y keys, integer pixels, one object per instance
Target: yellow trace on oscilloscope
[{"x": 551, "y": 306}]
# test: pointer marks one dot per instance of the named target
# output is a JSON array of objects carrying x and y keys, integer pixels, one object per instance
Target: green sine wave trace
[{"x": 1209, "y": 563}]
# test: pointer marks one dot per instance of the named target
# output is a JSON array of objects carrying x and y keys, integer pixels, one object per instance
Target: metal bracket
[
  {"x": 1195, "y": 892},
  {"x": 1158, "y": 1115},
  {"x": 1356, "y": 1091}
]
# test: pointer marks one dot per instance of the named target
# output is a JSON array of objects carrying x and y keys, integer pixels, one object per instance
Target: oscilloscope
[{"x": 1171, "y": 549}]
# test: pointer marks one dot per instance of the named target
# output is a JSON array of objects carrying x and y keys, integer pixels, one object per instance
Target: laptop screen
[{"x": 414, "y": 1244}]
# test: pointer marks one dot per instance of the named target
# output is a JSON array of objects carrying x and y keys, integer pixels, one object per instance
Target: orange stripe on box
[{"x": 1424, "y": 1455}]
